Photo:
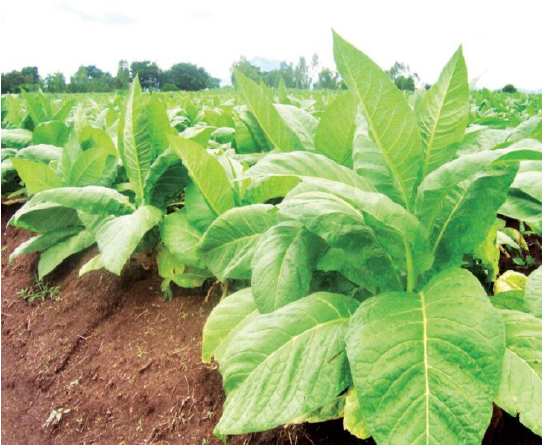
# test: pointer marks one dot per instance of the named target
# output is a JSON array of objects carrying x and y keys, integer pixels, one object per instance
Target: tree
[
  {"x": 55, "y": 83},
  {"x": 28, "y": 78},
  {"x": 188, "y": 77},
  {"x": 148, "y": 72},
  {"x": 302, "y": 78},
  {"x": 245, "y": 67},
  {"x": 12, "y": 82},
  {"x": 329, "y": 80},
  {"x": 405, "y": 83},
  {"x": 90, "y": 78},
  {"x": 402, "y": 76},
  {"x": 509, "y": 88},
  {"x": 314, "y": 66},
  {"x": 31, "y": 75},
  {"x": 123, "y": 75}
]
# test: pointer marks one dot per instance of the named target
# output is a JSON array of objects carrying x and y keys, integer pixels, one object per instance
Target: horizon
[{"x": 213, "y": 35}]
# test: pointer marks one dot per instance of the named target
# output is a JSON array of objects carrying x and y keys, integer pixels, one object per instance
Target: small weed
[
  {"x": 209, "y": 414},
  {"x": 4, "y": 248},
  {"x": 55, "y": 416},
  {"x": 40, "y": 291},
  {"x": 140, "y": 351},
  {"x": 139, "y": 427},
  {"x": 524, "y": 262}
]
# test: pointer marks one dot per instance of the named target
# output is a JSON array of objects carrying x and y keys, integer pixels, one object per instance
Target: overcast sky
[{"x": 502, "y": 39}]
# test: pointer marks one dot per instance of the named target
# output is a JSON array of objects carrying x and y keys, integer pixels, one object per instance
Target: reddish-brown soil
[{"x": 124, "y": 363}]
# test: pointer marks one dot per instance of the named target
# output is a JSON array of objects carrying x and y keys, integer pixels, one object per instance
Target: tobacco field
[{"x": 262, "y": 265}]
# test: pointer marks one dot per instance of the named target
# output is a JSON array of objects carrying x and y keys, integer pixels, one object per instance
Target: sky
[{"x": 502, "y": 39}]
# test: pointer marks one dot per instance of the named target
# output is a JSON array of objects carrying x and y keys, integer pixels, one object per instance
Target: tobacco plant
[{"x": 358, "y": 305}]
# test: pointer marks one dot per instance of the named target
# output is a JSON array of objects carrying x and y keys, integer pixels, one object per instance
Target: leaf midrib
[{"x": 377, "y": 138}]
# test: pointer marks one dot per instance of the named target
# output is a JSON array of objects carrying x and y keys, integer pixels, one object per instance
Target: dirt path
[{"x": 123, "y": 362}]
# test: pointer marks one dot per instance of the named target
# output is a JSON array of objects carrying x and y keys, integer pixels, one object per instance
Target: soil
[{"x": 125, "y": 363}]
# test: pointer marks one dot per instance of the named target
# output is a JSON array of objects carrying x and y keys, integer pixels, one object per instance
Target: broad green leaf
[
  {"x": 527, "y": 180},
  {"x": 228, "y": 317},
  {"x": 36, "y": 176},
  {"x": 199, "y": 134},
  {"x": 16, "y": 137},
  {"x": 207, "y": 174},
  {"x": 361, "y": 212},
  {"x": 35, "y": 107},
  {"x": 488, "y": 253},
  {"x": 521, "y": 384},
  {"x": 244, "y": 141},
  {"x": 442, "y": 114},
  {"x": 353, "y": 418},
  {"x": 40, "y": 153},
  {"x": 198, "y": 211},
  {"x": 159, "y": 127},
  {"x": 283, "y": 92},
  {"x": 43, "y": 241},
  {"x": 53, "y": 133},
  {"x": 301, "y": 123},
  {"x": 118, "y": 238},
  {"x": 512, "y": 299},
  {"x": 286, "y": 170},
  {"x": 181, "y": 237},
  {"x": 282, "y": 265},
  {"x": 510, "y": 280},
  {"x": 466, "y": 194},
  {"x": 191, "y": 278},
  {"x": 523, "y": 207},
  {"x": 273, "y": 126},
  {"x": 91, "y": 199},
  {"x": 134, "y": 140},
  {"x": 286, "y": 364},
  {"x": 169, "y": 265},
  {"x": 533, "y": 293},
  {"x": 524, "y": 200},
  {"x": 370, "y": 162},
  {"x": 229, "y": 244},
  {"x": 16, "y": 113},
  {"x": 343, "y": 226},
  {"x": 166, "y": 179},
  {"x": 44, "y": 217},
  {"x": 425, "y": 368},
  {"x": 470, "y": 213},
  {"x": 53, "y": 256},
  {"x": 263, "y": 189},
  {"x": 95, "y": 263},
  {"x": 89, "y": 168},
  {"x": 392, "y": 122},
  {"x": 261, "y": 142},
  {"x": 223, "y": 135},
  {"x": 362, "y": 266},
  {"x": 64, "y": 111},
  {"x": 96, "y": 137},
  {"x": 330, "y": 411},
  {"x": 335, "y": 132},
  {"x": 479, "y": 138}
]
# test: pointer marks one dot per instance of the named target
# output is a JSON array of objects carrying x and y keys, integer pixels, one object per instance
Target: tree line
[
  {"x": 90, "y": 78},
  {"x": 188, "y": 77}
]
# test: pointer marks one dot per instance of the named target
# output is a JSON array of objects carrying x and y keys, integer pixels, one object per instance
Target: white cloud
[{"x": 501, "y": 40}]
